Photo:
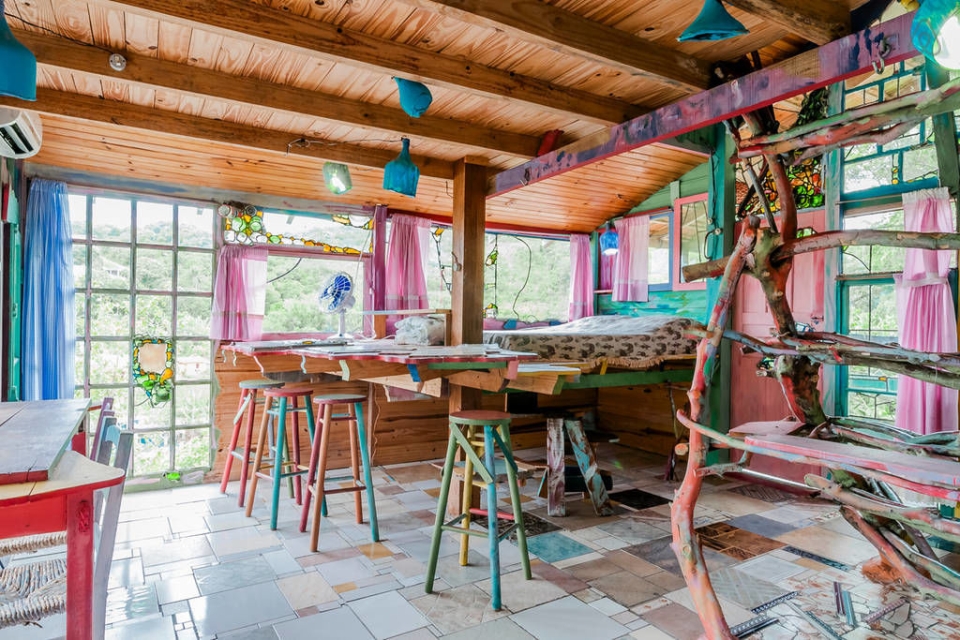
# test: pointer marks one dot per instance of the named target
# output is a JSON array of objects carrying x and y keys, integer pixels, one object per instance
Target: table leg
[
  {"x": 80, "y": 566},
  {"x": 556, "y": 482},
  {"x": 587, "y": 462}
]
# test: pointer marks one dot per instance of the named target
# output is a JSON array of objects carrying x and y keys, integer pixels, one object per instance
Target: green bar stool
[
  {"x": 283, "y": 463},
  {"x": 464, "y": 434},
  {"x": 248, "y": 408},
  {"x": 359, "y": 456}
]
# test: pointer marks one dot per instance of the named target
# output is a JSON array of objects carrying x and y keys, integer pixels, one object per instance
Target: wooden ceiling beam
[
  {"x": 833, "y": 62},
  {"x": 81, "y": 107},
  {"x": 246, "y": 20},
  {"x": 819, "y": 21},
  {"x": 64, "y": 54},
  {"x": 570, "y": 34}
]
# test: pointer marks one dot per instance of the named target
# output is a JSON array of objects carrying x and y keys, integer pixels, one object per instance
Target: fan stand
[{"x": 342, "y": 332}]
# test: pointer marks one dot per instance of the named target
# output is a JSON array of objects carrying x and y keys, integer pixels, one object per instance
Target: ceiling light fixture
[
  {"x": 337, "y": 177},
  {"x": 609, "y": 241},
  {"x": 713, "y": 23},
  {"x": 117, "y": 62},
  {"x": 19, "y": 77},
  {"x": 936, "y": 32},
  {"x": 415, "y": 97},
  {"x": 400, "y": 174}
]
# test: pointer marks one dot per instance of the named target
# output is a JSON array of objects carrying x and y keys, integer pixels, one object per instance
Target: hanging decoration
[
  {"x": 336, "y": 177},
  {"x": 400, "y": 174},
  {"x": 153, "y": 368},
  {"x": 609, "y": 241},
  {"x": 713, "y": 23},
  {"x": 244, "y": 224},
  {"x": 415, "y": 97},
  {"x": 357, "y": 222},
  {"x": 805, "y": 178},
  {"x": 19, "y": 77},
  {"x": 936, "y": 32}
]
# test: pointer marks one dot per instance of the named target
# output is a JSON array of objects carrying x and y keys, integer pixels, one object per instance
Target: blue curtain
[{"x": 49, "y": 318}]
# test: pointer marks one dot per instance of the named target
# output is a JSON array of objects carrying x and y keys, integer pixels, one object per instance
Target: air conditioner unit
[{"x": 20, "y": 133}]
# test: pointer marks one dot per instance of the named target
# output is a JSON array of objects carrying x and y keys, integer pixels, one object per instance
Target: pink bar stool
[{"x": 248, "y": 406}]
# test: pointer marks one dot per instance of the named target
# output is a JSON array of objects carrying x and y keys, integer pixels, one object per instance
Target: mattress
[{"x": 625, "y": 341}]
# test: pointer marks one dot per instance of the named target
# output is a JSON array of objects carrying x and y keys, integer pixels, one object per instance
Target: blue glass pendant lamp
[
  {"x": 400, "y": 174},
  {"x": 936, "y": 32},
  {"x": 337, "y": 177},
  {"x": 609, "y": 241},
  {"x": 415, "y": 97},
  {"x": 713, "y": 23},
  {"x": 19, "y": 77}
]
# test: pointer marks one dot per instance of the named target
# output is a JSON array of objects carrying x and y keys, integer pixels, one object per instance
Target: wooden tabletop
[
  {"x": 35, "y": 435},
  {"x": 74, "y": 472}
]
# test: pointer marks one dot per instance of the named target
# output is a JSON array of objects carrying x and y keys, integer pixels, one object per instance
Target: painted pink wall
[{"x": 759, "y": 399}]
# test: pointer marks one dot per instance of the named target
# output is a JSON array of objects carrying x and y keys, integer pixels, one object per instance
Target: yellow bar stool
[
  {"x": 477, "y": 433},
  {"x": 248, "y": 409},
  {"x": 359, "y": 456},
  {"x": 282, "y": 463}
]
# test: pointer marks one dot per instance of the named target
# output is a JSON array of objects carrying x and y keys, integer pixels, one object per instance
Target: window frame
[{"x": 678, "y": 284}]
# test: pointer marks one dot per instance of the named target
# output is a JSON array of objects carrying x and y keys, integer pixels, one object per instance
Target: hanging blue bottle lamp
[
  {"x": 713, "y": 23},
  {"x": 415, "y": 97},
  {"x": 609, "y": 241},
  {"x": 19, "y": 77},
  {"x": 936, "y": 32},
  {"x": 400, "y": 174}
]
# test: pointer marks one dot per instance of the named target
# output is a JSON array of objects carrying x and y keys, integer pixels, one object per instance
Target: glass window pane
[
  {"x": 154, "y": 316},
  {"x": 154, "y": 269},
  {"x": 193, "y": 316},
  {"x": 80, "y": 266},
  {"x": 195, "y": 271},
  {"x": 529, "y": 278},
  {"x": 193, "y": 360},
  {"x": 154, "y": 223},
  {"x": 193, "y": 449},
  {"x": 193, "y": 404},
  {"x": 110, "y": 314},
  {"x": 111, "y": 219},
  {"x": 872, "y": 312},
  {"x": 109, "y": 362},
  {"x": 873, "y": 259},
  {"x": 293, "y": 285},
  {"x": 146, "y": 416},
  {"x": 693, "y": 231},
  {"x": 872, "y": 405},
  {"x": 196, "y": 227},
  {"x": 110, "y": 267},
  {"x": 439, "y": 267},
  {"x": 78, "y": 215},
  {"x": 80, "y": 302},
  {"x": 79, "y": 360},
  {"x": 121, "y": 404},
  {"x": 659, "y": 250},
  {"x": 307, "y": 230},
  {"x": 151, "y": 453}
]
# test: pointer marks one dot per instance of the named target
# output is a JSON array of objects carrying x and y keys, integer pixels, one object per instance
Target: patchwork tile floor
[{"x": 190, "y": 566}]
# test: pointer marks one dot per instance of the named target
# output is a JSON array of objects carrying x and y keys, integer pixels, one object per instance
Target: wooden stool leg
[
  {"x": 237, "y": 422},
  {"x": 311, "y": 467},
  {"x": 448, "y": 463},
  {"x": 295, "y": 446},
  {"x": 247, "y": 441},
  {"x": 511, "y": 464},
  {"x": 466, "y": 501},
  {"x": 258, "y": 459},
  {"x": 492, "y": 519},
  {"x": 355, "y": 462},
  {"x": 321, "y": 472},
  {"x": 367, "y": 473},
  {"x": 278, "y": 460}
]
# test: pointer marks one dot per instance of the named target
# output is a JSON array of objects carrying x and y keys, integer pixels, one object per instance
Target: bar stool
[
  {"x": 464, "y": 435},
  {"x": 248, "y": 406},
  {"x": 316, "y": 475},
  {"x": 282, "y": 464}
]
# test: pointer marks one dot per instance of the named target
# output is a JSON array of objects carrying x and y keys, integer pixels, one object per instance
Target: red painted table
[{"x": 44, "y": 487}]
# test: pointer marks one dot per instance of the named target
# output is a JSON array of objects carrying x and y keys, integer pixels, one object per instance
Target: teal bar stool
[
  {"x": 359, "y": 456},
  {"x": 464, "y": 434},
  {"x": 282, "y": 463},
  {"x": 247, "y": 409}
]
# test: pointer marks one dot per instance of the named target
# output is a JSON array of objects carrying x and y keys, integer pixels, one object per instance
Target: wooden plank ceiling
[{"x": 216, "y": 92}]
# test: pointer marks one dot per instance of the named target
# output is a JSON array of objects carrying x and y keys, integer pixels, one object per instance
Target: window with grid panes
[{"x": 144, "y": 267}]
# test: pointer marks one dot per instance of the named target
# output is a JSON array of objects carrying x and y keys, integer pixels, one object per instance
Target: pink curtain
[
  {"x": 926, "y": 315},
  {"x": 239, "y": 295},
  {"x": 581, "y": 277},
  {"x": 630, "y": 270},
  {"x": 406, "y": 284}
]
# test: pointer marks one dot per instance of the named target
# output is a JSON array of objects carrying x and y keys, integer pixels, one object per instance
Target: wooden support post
[
  {"x": 466, "y": 318},
  {"x": 556, "y": 480}
]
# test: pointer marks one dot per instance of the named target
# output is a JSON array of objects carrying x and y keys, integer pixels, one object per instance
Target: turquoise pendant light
[
  {"x": 401, "y": 175},
  {"x": 19, "y": 77},
  {"x": 713, "y": 23},
  {"x": 936, "y": 32},
  {"x": 609, "y": 241},
  {"x": 415, "y": 97}
]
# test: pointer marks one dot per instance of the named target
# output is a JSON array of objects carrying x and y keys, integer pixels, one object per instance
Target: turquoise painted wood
[{"x": 690, "y": 304}]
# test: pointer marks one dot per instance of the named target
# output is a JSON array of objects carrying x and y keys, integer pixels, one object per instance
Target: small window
[
  {"x": 690, "y": 234},
  {"x": 658, "y": 252}
]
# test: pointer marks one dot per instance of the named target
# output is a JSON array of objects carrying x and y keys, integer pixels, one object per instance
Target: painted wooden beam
[
  {"x": 841, "y": 59},
  {"x": 246, "y": 20},
  {"x": 83, "y": 107},
  {"x": 205, "y": 83},
  {"x": 819, "y": 21},
  {"x": 570, "y": 34}
]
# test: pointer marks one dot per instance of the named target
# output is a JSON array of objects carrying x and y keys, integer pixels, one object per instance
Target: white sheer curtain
[
  {"x": 239, "y": 296},
  {"x": 630, "y": 272},
  {"x": 581, "y": 277}
]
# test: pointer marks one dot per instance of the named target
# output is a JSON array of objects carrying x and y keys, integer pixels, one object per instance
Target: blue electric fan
[{"x": 336, "y": 296}]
